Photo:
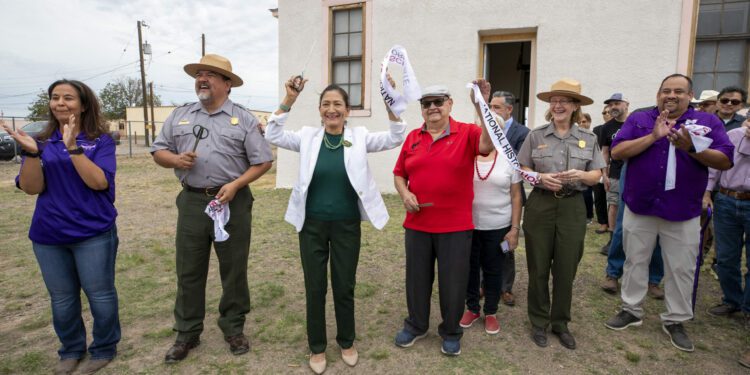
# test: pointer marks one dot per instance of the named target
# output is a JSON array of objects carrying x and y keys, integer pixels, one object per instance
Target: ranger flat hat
[
  {"x": 216, "y": 64},
  {"x": 565, "y": 87}
]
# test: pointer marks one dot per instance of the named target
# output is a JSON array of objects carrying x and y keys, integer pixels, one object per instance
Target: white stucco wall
[{"x": 608, "y": 45}]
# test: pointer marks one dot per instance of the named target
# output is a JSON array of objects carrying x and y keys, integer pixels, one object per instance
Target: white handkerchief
[
  {"x": 219, "y": 212},
  {"x": 700, "y": 142}
]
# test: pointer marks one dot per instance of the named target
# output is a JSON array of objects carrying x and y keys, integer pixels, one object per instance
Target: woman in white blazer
[{"x": 334, "y": 192}]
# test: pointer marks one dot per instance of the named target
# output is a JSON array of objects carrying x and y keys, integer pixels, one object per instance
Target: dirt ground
[{"x": 276, "y": 324}]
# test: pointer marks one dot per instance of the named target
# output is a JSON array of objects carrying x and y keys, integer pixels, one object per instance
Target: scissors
[{"x": 200, "y": 132}]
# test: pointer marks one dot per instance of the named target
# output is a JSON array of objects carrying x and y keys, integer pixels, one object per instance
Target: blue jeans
[
  {"x": 89, "y": 264},
  {"x": 731, "y": 223},
  {"x": 616, "y": 256}
]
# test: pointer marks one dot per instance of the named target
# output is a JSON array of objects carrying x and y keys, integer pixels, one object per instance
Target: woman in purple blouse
[{"x": 71, "y": 166}]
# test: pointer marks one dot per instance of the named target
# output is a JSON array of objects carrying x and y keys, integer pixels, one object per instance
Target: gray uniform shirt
[
  {"x": 544, "y": 151},
  {"x": 234, "y": 143}
]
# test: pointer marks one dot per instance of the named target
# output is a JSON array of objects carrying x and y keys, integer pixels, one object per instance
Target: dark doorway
[{"x": 507, "y": 67}]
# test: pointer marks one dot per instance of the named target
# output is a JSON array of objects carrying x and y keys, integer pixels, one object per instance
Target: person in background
[
  {"x": 502, "y": 103},
  {"x": 496, "y": 213},
  {"x": 71, "y": 166}
]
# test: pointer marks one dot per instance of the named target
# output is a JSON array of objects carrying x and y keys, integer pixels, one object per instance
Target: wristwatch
[{"x": 76, "y": 151}]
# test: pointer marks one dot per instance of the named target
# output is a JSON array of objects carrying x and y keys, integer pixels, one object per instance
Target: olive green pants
[
  {"x": 195, "y": 234},
  {"x": 339, "y": 241},
  {"x": 554, "y": 231}
]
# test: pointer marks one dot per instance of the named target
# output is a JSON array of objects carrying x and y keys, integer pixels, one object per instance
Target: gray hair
[{"x": 510, "y": 99}]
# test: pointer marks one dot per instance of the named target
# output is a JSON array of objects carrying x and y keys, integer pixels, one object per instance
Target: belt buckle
[
  {"x": 206, "y": 191},
  {"x": 555, "y": 193}
]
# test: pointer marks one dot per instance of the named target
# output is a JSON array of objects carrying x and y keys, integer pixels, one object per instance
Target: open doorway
[{"x": 507, "y": 65}]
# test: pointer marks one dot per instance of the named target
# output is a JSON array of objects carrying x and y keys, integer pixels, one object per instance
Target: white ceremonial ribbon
[
  {"x": 700, "y": 142},
  {"x": 397, "y": 102},
  {"x": 219, "y": 212},
  {"x": 495, "y": 128}
]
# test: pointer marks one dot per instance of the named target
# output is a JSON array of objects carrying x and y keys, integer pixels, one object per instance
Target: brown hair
[{"x": 92, "y": 124}]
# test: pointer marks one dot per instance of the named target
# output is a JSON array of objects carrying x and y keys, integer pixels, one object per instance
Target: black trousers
[
  {"x": 452, "y": 251},
  {"x": 600, "y": 204},
  {"x": 486, "y": 255}
]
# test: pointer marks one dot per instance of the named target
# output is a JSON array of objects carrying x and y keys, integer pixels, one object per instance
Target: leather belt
[
  {"x": 209, "y": 191},
  {"x": 741, "y": 195},
  {"x": 557, "y": 194}
]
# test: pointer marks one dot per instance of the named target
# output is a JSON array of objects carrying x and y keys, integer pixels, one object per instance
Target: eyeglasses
[
  {"x": 727, "y": 101},
  {"x": 438, "y": 103},
  {"x": 553, "y": 103}
]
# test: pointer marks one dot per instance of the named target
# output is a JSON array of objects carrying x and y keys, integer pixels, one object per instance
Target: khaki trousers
[{"x": 679, "y": 248}]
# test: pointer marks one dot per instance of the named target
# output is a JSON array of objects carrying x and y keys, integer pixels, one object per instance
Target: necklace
[
  {"x": 476, "y": 166},
  {"x": 330, "y": 145}
]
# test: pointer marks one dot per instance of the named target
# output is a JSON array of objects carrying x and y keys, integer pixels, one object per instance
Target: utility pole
[
  {"x": 203, "y": 44},
  {"x": 153, "y": 119},
  {"x": 143, "y": 84}
]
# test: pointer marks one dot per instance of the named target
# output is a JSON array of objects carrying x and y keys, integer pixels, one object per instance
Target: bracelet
[
  {"x": 76, "y": 151},
  {"x": 27, "y": 154},
  {"x": 285, "y": 108},
  {"x": 515, "y": 227}
]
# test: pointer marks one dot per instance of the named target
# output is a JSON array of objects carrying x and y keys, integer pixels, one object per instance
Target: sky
[{"x": 97, "y": 42}]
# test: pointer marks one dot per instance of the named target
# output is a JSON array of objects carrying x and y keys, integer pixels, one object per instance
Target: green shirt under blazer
[{"x": 307, "y": 141}]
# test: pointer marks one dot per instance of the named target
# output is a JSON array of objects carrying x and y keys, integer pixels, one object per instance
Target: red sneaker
[
  {"x": 491, "y": 325},
  {"x": 468, "y": 319}
]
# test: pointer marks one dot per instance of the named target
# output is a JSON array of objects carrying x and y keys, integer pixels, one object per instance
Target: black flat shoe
[{"x": 539, "y": 336}]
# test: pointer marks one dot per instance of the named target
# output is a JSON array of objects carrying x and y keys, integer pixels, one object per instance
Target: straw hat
[
  {"x": 565, "y": 87},
  {"x": 706, "y": 96},
  {"x": 216, "y": 64}
]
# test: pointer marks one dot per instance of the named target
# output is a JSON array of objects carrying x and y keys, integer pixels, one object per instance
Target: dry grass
[{"x": 146, "y": 286}]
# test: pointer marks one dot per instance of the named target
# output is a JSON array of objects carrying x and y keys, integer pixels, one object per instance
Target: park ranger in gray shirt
[{"x": 216, "y": 150}]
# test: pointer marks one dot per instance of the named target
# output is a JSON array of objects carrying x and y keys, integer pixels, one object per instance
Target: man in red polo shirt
[{"x": 434, "y": 176}]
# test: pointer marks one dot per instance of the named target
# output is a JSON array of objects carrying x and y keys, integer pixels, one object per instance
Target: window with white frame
[{"x": 347, "y": 51}]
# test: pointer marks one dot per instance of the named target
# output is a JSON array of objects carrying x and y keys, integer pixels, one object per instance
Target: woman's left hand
[
  {"x": 570, "y": 176},
  {"x": 70, "y": 130},
  {"x": 512, "y": 238}
]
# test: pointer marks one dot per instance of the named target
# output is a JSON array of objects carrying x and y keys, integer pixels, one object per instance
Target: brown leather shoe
[
  {"x": 238, "y": 344},
  {"x": 94, "y": 365},
  {"x": 508, "y": 299},
  {"x": 66, "y": 366},
  {"x": 610, "y": 285},
  {"x": 180, "y": 350},
  {"x": 655, "y": 292}
]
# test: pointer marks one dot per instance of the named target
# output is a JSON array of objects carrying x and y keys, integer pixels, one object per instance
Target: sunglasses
[
  {"x": 727, "y": 101},
  {"x": 438, "y": 103}
]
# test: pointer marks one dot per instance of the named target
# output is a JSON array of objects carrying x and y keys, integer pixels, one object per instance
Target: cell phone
[{"x": 505, "y": 246}]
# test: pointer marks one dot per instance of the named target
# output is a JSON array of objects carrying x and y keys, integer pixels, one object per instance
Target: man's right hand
[
  {"x": 185, "y": 160},
  {"x": 662, "y": 125},
  {"x": 606, "y": 182},
  {"x": 410, "y": 202},
  {"x": 707, "y": 202}
]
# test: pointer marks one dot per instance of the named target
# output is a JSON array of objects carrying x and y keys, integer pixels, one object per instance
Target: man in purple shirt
[
  {"x": 655, "y": 208},
  {"x": 732, "y": 223}
]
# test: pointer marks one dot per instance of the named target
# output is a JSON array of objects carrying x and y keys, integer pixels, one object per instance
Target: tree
[
  {"x": 123, "y": 93},
  {"x": 39, "y": 108}
]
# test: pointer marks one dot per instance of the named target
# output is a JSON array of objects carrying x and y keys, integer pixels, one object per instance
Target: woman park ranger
[{"x": 568, "y": 160}]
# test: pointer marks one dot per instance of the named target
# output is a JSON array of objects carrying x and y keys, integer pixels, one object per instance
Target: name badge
[
  {"x": 234, "y": 121},
  {"x": 183, "y": 122},
  {"x": 581, "y": 144}
]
